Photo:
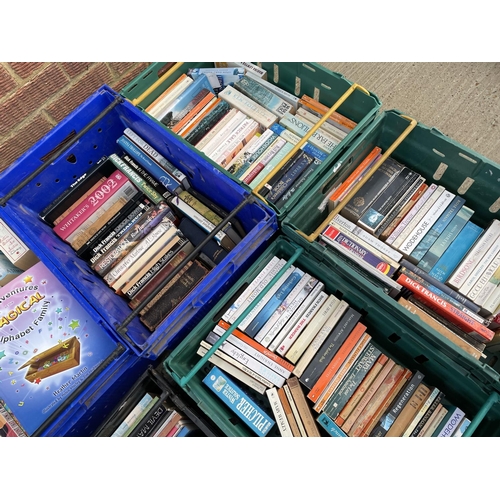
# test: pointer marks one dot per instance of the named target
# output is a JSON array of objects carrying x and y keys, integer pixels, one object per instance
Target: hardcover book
[
  {"x": 239, "y": 402},
  {"x": 49, "y": 346}
]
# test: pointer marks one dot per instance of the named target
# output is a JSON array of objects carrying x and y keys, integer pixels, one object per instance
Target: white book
[
  {"x": 252, "y": 363},
  {"x": 233, "y": 137},
  {"x": 306, "y": 303},
  {"x": 290, "y": 98},
  {"x": 251, "y": 351},
  {"x": 475, "y": 254},
  {"x": 490, "y": 286},
  {"x": 239, "y": 100},
  {"x": 238, "y": 373},
  {"x": 328, "y": 127},
  {"x": 159, "y": 107},
  {"x": 216, "y": 129},
  {"x": 474, "y": 283},
  {"x": 245, "y": 152},
  {"x": 493, "y": 301},
  {"x": 257, "y": 308},
  {"x": 417, "y": 217},
  {"x": 271, "y": 166},
  {"x": 426, "y": 223},
  {"x": 342, "y": 223},
  {"x": 421, "y": 412},
  {"x": 279, "y": 413},
  {"x": 312, "y": 329},
  {"x": 316, "y": 343},
  {"x": 248, "y": 67},
  {"x": 236, "y": 163},
  {"x": 295, "y": 411},
  {"x": 289, "y": 300},
  {"x": 265, "y": 158},
  {"x": 291, "y": 309},
  {"x": 288, "y": 341},
  {"x": 133, "y": 415},
  {"x": 411, "y": 214},
  {"x": 232, "y": 124},
  {"x": 249, "y": 289},
  {"x": 431, "y": 419}
]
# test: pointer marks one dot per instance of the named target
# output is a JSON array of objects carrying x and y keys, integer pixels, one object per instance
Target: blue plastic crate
[{"x": 22, "y": 207}]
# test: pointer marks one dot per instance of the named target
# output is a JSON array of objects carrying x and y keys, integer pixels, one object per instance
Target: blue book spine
[
  {"x": 450, "y": 423},
  {"x": 330, "y": 426},
  {"x": 448, "y": 262},
  {"x": 155, "y": 170},
  {"x": 185, "y": 431},
  {"x": 277, "y": 128},
  {"x": 239, "y": 402},
  {"x": 436, "y": 230},
  {"x": 315, "y": 152},
  {"x": 266, "y": 312}
]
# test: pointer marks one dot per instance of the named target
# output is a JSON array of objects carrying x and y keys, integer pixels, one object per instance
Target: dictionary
[{"x": 49, "y": 345}]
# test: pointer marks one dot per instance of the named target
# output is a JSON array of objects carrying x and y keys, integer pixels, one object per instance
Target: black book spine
[
  {"x": 266, "y": 189},
  {"x": 151, "y": 421},
  {"x": 208, "y": 122},
  {"x": 330, "y": 347}
]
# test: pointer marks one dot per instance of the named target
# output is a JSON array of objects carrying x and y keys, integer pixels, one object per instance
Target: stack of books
[
  {"x": 135, "y": 218},
  {"x": 248, "y": 126},
  {"x": 310, "y": 353},
  {"x": 419, "y": 239}
]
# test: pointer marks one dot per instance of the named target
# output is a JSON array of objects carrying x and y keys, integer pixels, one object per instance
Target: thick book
[
  {"x": 305, "y": 412},
  {"x": 469, "y": 325},
  {"x": 57, "y": 332},
  {"x": 133, "y": 414},
  {"x": 239, "y": 402}
]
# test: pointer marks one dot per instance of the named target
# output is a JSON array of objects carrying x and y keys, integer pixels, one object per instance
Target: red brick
[
  {"x": 31, "y": 97},
  {"x": 76, "y": 68},
  {"x": 7, "y": 83},
  {"x": 14, "y": 147},
  {"x": 25, "y": 69},
  {"x": 121, "y": 67},
  {"x": 127, "y": 78},
  {"x": 79, "y": 91}
]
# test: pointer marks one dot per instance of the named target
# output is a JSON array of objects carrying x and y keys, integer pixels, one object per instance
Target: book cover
[
  {"x": 335, "y": 118},
  {"x": 219, "y": 78},
  {"x": 279, "y": 413},
  {"x": 199, "y": 100},
  {"x": 169, "y": 94},
  {"x": 219, "y": 130},
  {"x": 287, "y": 96},
  {"x": 327, "y": 126},
  {"x": 330, "y": 426},
  {"x": 8, "y": 271},
  {"x": 239, "y": 402},
  {"x": 8, "y": 425},
  {"x": 469, "y": 325},
  {"x": 49, "y": 346}
]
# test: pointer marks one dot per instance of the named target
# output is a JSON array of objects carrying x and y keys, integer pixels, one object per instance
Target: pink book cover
[{"x": 87, "y": 207}]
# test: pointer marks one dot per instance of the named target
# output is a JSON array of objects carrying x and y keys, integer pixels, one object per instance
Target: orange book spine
[
  {"x": 377, "y": 400},
  {"x": 182, "y": 123},
  {"x": 165, "y": 92},
  {"x": 355, "y": 174},
  {"x": 370, "y": 424},
  {"x": 198, "y": 118},
  {"x": 259, "y": 347},
  {"x": 336, "y": 362},
  {"x": 322, "y": 109},
  {"x": 288, "y": 412}
]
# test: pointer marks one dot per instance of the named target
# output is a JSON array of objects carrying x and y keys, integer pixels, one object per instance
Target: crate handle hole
[
  {"x": 297, "y": 85},
  {"x": 99, "y": 129},
  {"x": 440, "y": 171},
  {"x": 90, "y": 163},
  {"x": 74, "y": 176},
  {"x": 339, "y": 294},
  {"x": 276, "y": 73},
  {"x": 327, "y": 87},
  {"x": 57, "y": 180},
  {"x": 495, "y": 207},
  {"x": 468, "y": 158},
  {"x": 421, "y": 359},
  {"x": 309, "y": 67},
  {"x": 316, "y": 94},
  {"x": 394, "y": 338},
  {"x": 438, "y": 152},
  {"x": 95, "y": 146},
  {"x": 465, "y": 185},
  {"x": 38, "y": 184},
  {"x": 71, "y": 158}
]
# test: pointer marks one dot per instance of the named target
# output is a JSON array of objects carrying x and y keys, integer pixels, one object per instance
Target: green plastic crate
[
  {"x": 473, "y": 391},
  {"x": 297, "y": 78},
  {"x": 439, "y": 159}
]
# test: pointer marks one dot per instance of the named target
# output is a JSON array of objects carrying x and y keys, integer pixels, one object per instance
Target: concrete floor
[{"x": 462, "y": 100}]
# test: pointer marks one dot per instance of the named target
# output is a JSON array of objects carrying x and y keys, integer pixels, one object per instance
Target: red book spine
[
  {"x": 92, "y": 202},
  {"x": 447, "y": 310}
]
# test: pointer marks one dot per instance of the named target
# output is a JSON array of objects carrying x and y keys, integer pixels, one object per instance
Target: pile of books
[
  {"x": 248, "y": 126},
  {"x": 419, "y": 239},
  {"x": 135, "y": 219},
  {"x": 310, "y": 352}
]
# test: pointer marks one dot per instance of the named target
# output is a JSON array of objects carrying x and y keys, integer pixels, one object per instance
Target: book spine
[
  {"x": 455, "y": 315},
  {"x": 279, "y": 413},
  {"x": 436, "y": 422},
  {"x": 297, "y": 330},
  {"x": 336, "y": 238},
  {"x": 412, "y": 214},
  {"x": 266, "y": 157},
  {"x": 288, "y": 412},
  {"x": 214, "y": 135},
  {"x": 425, "y": 224},
  {"x": 303, "y": 408},
  {"x": 421, "y": 412},
  {"x": 437, "y": 229},
  {"x": 203, "y": 100},
  {"x": 482, "y": 272},
  {"x": 295, "y": 411},
  {"x": 225, "y": 389},
  {"x": 452, "y": 423},
  {"x": 86, "y": 208},
  {"x": 491, "y": 279},
  {"x": 153, "y": 183},
  {"x": 168, "y": 180},
  {"x": 462, "y": 427},
  {"x": 445, "y": 239},
  {"x": 330, "y": 426},
  {"x": 327, "y": 126},
  {"x": 290, "y": 98},
  {"x": 454, "y": 254},
  {"x": 241, "y": 168},
  {"x": 271, "y": 166},
  {"x": 335, "y": 118},
  {"x": 207, "y": 123},
  {"x": 247, "y": 106},
  {"x": 428, "y": 414},
  {"x": 285, "y": 133}
]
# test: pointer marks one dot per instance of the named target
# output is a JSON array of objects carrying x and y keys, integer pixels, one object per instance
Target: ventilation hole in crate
[
  {"x": 71, "y": 158},
  {"x": 38, "y": 184},
  {"x": 99, "y": 130},
  {"x": 90, "y": 163},
  {"x": 465, "y": 185},
  {"x": 168, "y": 150},
  {"x": 310, "y": 68},
  {"x": 394, "y": 338},
  {"x": 95, "y": 146},
  {"x": 57, "y": 180},
  {"x": 316, "y": 94},
  {"x": 468, "y": 158},
  {"x": 438, "y": 152},
  {"x": 495, "y": 207},
  {"x": 327, "y": 87},
  {"x": 421, "y": 359},
  {"x": 276, "y": 73},
  {"x": 440, "y": 171},
  {"x": 297, "y": 85},
  {"x": 74, "y": 176}
]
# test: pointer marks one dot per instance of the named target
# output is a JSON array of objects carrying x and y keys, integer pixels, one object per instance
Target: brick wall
[{"x": 36, "y": 96}]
